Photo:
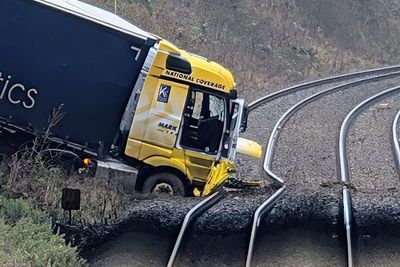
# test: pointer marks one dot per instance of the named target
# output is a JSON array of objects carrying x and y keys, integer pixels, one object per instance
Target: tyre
[
  {"x": 60, "y": 162},
  {"x": 164, "y": 183}
]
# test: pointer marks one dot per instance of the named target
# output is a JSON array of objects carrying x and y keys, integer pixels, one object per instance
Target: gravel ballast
[
  {"x": 375, "y": 183},
  {"x": 306, "y": 149},
  {"x": 310, "y": 209}
]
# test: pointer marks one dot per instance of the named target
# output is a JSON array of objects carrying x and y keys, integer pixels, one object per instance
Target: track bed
[{"x": 306, "y": 226}]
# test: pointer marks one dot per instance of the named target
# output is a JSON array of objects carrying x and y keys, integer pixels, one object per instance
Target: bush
[
  {"x": 27, "y": 238},
  {"x": 13, "y": 210}
]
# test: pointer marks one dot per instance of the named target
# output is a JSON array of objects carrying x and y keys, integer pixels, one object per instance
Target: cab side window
[{"x": 203, "y": 122}]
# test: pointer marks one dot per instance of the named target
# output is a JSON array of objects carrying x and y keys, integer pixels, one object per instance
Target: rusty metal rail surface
[
  {"x": 344, "y": 166},
  {"x": 189, "y": 219}
]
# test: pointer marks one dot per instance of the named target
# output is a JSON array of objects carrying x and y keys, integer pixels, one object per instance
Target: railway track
[
  {"x": 373, "y": 180},
  {"x": 358, "y": 79},
  {"x": 345, "y": 170},
  {"x": 189, "y": 218},
  {"x": 395, "y": 141},
  {"x": 346, "y": 196},
  {"x": 314, "y": 226}
]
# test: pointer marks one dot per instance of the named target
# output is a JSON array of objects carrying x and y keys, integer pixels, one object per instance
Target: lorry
[{"x": 131, "y": 101}]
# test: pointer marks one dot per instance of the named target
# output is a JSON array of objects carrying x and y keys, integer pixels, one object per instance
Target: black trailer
[{"x": 56, "y": 52}]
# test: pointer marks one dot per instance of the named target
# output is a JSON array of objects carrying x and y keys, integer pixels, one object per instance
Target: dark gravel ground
[
  {"x": 378, "y": 246},
  {"x": 373, "y": 171},
  {"x": 310, "y": 245},
  {"x": 371, "y": 160},
  {"x": 306, "y": 149},
  {"x": 232, "y": 213},
  {"x": 262, "y": 120},
  {"x": 290, "y": 246},
  {"x": 303, "y": 205},
  {"x": 134, "y": 249},
  {"x": 306, "y": 155},
  {"x": 376, "y": 184},
  {"x": 305, "y": 225}
]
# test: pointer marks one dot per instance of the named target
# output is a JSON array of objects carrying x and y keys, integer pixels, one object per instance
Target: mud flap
[{"x": 218, "y": 175}]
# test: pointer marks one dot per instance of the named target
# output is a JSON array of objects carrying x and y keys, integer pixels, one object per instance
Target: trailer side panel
[{"x": 50, "y": 58}]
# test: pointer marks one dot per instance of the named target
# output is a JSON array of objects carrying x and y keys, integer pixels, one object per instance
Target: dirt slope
[{"x": 270, "y": 44}]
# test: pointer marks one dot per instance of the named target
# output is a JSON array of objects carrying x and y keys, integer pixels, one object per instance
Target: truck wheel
[{"x": 164, "y": 183}]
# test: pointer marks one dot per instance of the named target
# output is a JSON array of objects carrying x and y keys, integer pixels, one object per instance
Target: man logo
[{"x": 163, "y": 94}]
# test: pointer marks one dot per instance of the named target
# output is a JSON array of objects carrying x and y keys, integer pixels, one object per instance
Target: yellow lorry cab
[
  {"x": 188, "y": 117},
  {"x": 169, "y": 118}
]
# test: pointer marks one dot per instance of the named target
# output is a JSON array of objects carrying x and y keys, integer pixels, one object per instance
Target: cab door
[
  {"x": 236, "y": 122},
  {"x": 204, "y": 121},
  {"x": 221, "y": 170}
]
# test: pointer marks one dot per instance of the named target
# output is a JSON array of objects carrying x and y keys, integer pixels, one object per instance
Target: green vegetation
[
  {"x": 27, "y": 238},
  {"x": 25, "y": 227}
]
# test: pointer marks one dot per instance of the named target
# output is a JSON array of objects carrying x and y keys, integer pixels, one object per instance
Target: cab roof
[{"x": 204, "y": 72}]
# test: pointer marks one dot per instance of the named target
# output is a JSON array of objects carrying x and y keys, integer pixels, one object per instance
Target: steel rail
[
  {"x": 189, "y": 218},
  {"x": 268, "y": 98},
  {"x": 267, "y": 205},
  {"x": 270, "y": 202},
  {"x": 395, "y": 142},
  {"x": 285, "y": 117},
  {"x": 347, "y": 220},
  {"x": 344, "y": 165},
  {"x": 343, "y": 160}
]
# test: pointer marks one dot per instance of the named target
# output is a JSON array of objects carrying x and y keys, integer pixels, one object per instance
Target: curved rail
[
  {"x": 395, "y": 142},
  {"x": 267, "y": 205},
  {"x": 270, "y": 202},
  {"x": 344, "y": 165},
  {"x": 263, "y": 100},
  {"x": 343, "y": 160},
  {"x": 189, "y": 217},
  {"x": 285, "y": 117}
]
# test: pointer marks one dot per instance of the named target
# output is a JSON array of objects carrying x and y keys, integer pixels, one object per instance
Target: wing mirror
[
  {"x": 233, "y": 94},
  {"x": 243, "y": 123}
]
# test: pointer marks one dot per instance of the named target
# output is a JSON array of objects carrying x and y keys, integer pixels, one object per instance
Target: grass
[
  {"x": 25, "y": 224},
  {"x": 27, "y": 238}
]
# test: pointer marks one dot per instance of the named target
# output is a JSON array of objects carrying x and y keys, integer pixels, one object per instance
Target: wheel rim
[{"x": 164, "y": 188}]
